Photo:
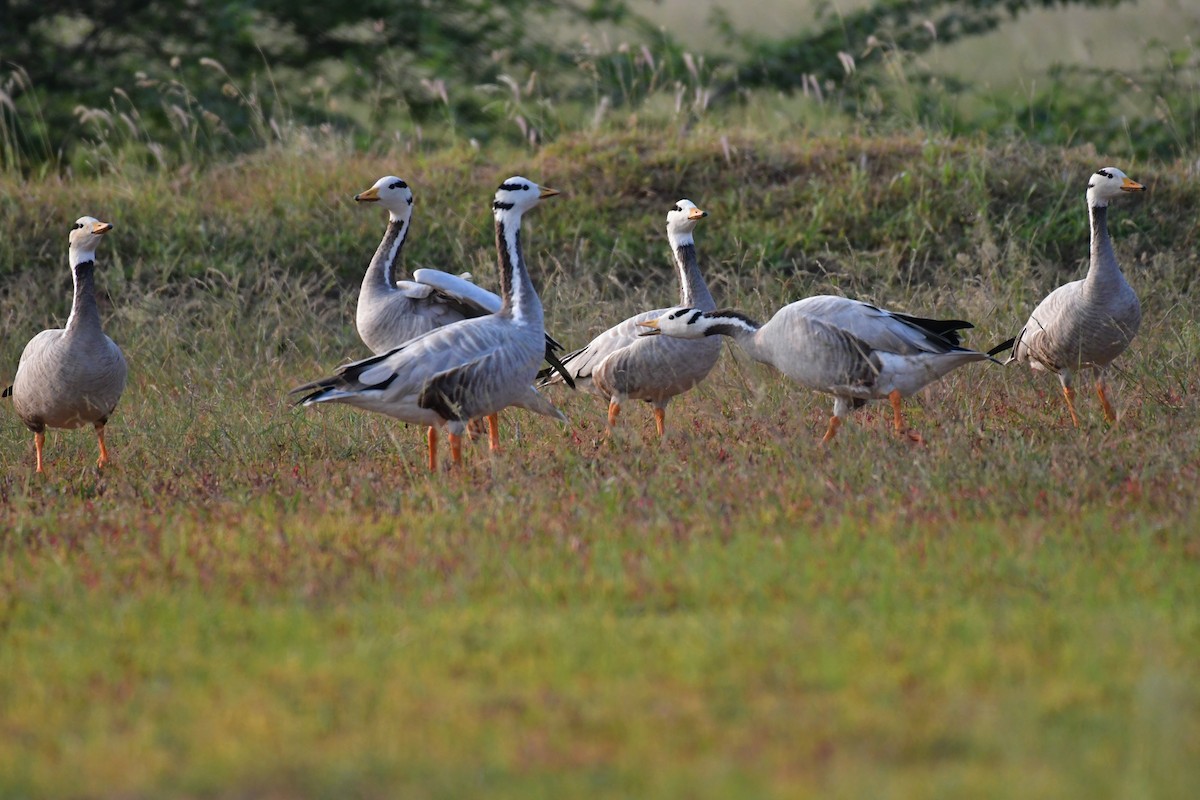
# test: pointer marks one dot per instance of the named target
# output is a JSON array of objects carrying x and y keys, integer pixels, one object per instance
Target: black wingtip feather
[
  {"x": 945, "y": 328},
  {"x": 556, "y": 366},
  {"x": 7, "y": 392},
  {"x": 1000, "y": 348}
]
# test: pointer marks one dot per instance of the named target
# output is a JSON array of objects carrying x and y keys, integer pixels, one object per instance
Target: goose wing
[
  {"x": 1046, "y": 338},
  {"x": 404, "y": 368},
  {"x": 580, "y": 364},
  {"x": 470, "y": 300},
  {"x": 884, "y": 330},
  {"x": 454, "y": 290},
  {"x": 818, "y": 354}
]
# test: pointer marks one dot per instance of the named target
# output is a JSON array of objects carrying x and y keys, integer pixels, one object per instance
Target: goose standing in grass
[
  {"x": 467, "y": 369},
  {"x": 392, "y": 310},
  {"x": 849, "y": 349},
  {"x": 621, "y": 365},
  {"x": 1086, "y": 324},
  {"x": 72, "y": 376}
]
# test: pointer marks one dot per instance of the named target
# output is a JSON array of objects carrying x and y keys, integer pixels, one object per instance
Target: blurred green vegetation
[{"x": 90, "y": 84}]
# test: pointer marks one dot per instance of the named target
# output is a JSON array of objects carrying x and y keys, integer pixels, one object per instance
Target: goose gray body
[
  {"x": 75, "y": 375},
  {"x": 1086, "y": 324},
  {"x": 849, "y": 349},
  {"x": 392, "y": 310},
  {"x": 468, "y": 369},
  {"x": 620, "y": 364}
]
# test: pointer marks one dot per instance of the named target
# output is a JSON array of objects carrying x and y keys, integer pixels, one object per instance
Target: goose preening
[
  {"x": 391, "y": 309},
  {"x": 467, "y": 369},
  {"x": 1087, "y": 323},
  {"x": 621, "y": 364},
  {"x": 849, "y": 349},
  {"x": 72, "y": 376}
]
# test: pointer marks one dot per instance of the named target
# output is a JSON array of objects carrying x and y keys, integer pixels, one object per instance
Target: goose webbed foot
[
  {"x": 835, "y": 422},
  {"x": 898, "y": 420}
]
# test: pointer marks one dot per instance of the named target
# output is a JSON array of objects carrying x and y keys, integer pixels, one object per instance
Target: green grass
[{"x": 262, "y": 601}]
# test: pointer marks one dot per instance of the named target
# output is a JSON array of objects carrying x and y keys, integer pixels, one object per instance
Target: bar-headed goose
[
  {"x": 467, "y": 369},
  {"x": 849, "y": 349},
  {"x": 621, "y": 365},
  {"x": 392, "y": 309},
  {"x": 1086, "y": 324},
  {"x": 72, "y": 376}
]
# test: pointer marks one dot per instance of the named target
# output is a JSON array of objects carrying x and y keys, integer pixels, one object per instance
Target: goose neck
[
  {"x": 519, "y": 298},
  {"x": 1102, "y": 268},
  {"x": 382, "y": 272},
  {"x": 693, "y": 290},
  {"x": 85, "y": 314}
]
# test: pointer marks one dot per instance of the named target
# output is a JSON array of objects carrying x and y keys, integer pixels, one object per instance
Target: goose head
[
  {"x": 1108, "y": 183},
  {"x": 86, "y": 235},
  {"x": 518, "y": 195},
  {"x": 682, "y": 220},
  {"x": 392, "y": 193},
  {"x": 682, "y": 323}
]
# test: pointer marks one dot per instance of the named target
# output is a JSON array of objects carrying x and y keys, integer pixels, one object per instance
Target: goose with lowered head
[{"x": 849, "y": 349}]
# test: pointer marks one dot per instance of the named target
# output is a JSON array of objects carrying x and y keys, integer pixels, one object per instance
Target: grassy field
[{"x": 263, "y": 601}]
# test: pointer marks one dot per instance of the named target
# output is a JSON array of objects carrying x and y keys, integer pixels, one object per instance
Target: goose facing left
[
  {"x": 847, "y": 348},
  {"x": 465, "y": 370},
  {"x": 72, "y": 376}
]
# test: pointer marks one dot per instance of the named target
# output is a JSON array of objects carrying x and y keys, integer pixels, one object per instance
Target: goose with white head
[
  {"x": 393, "y": 309},
  {"x": 1086, "y": 324},
  {"x": 467, "y": 369},
  {"x": 72, "y": 376},
  {"x": 849, "y": 349},
  {"x": 620, "y": 364}
]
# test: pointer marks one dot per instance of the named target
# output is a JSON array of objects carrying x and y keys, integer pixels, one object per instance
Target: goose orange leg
[
  {"x": 1069, "y": 394},
  {"x": 897, "y": 415},
  {"x": 455, "y": 449},
  {"x": 613, "y": 410},
  {"x": 898, "y": 418},
  {"x": 39, "y": 442},
  {"x": 835, "y": 422},
  {"x": 660, "y": 420},
  {"x": 101, "y": 462},
  {"x": 1109, "y": 414},
  {"x": 493, "y": 422},
  {"x": 433, "y": 440}
]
